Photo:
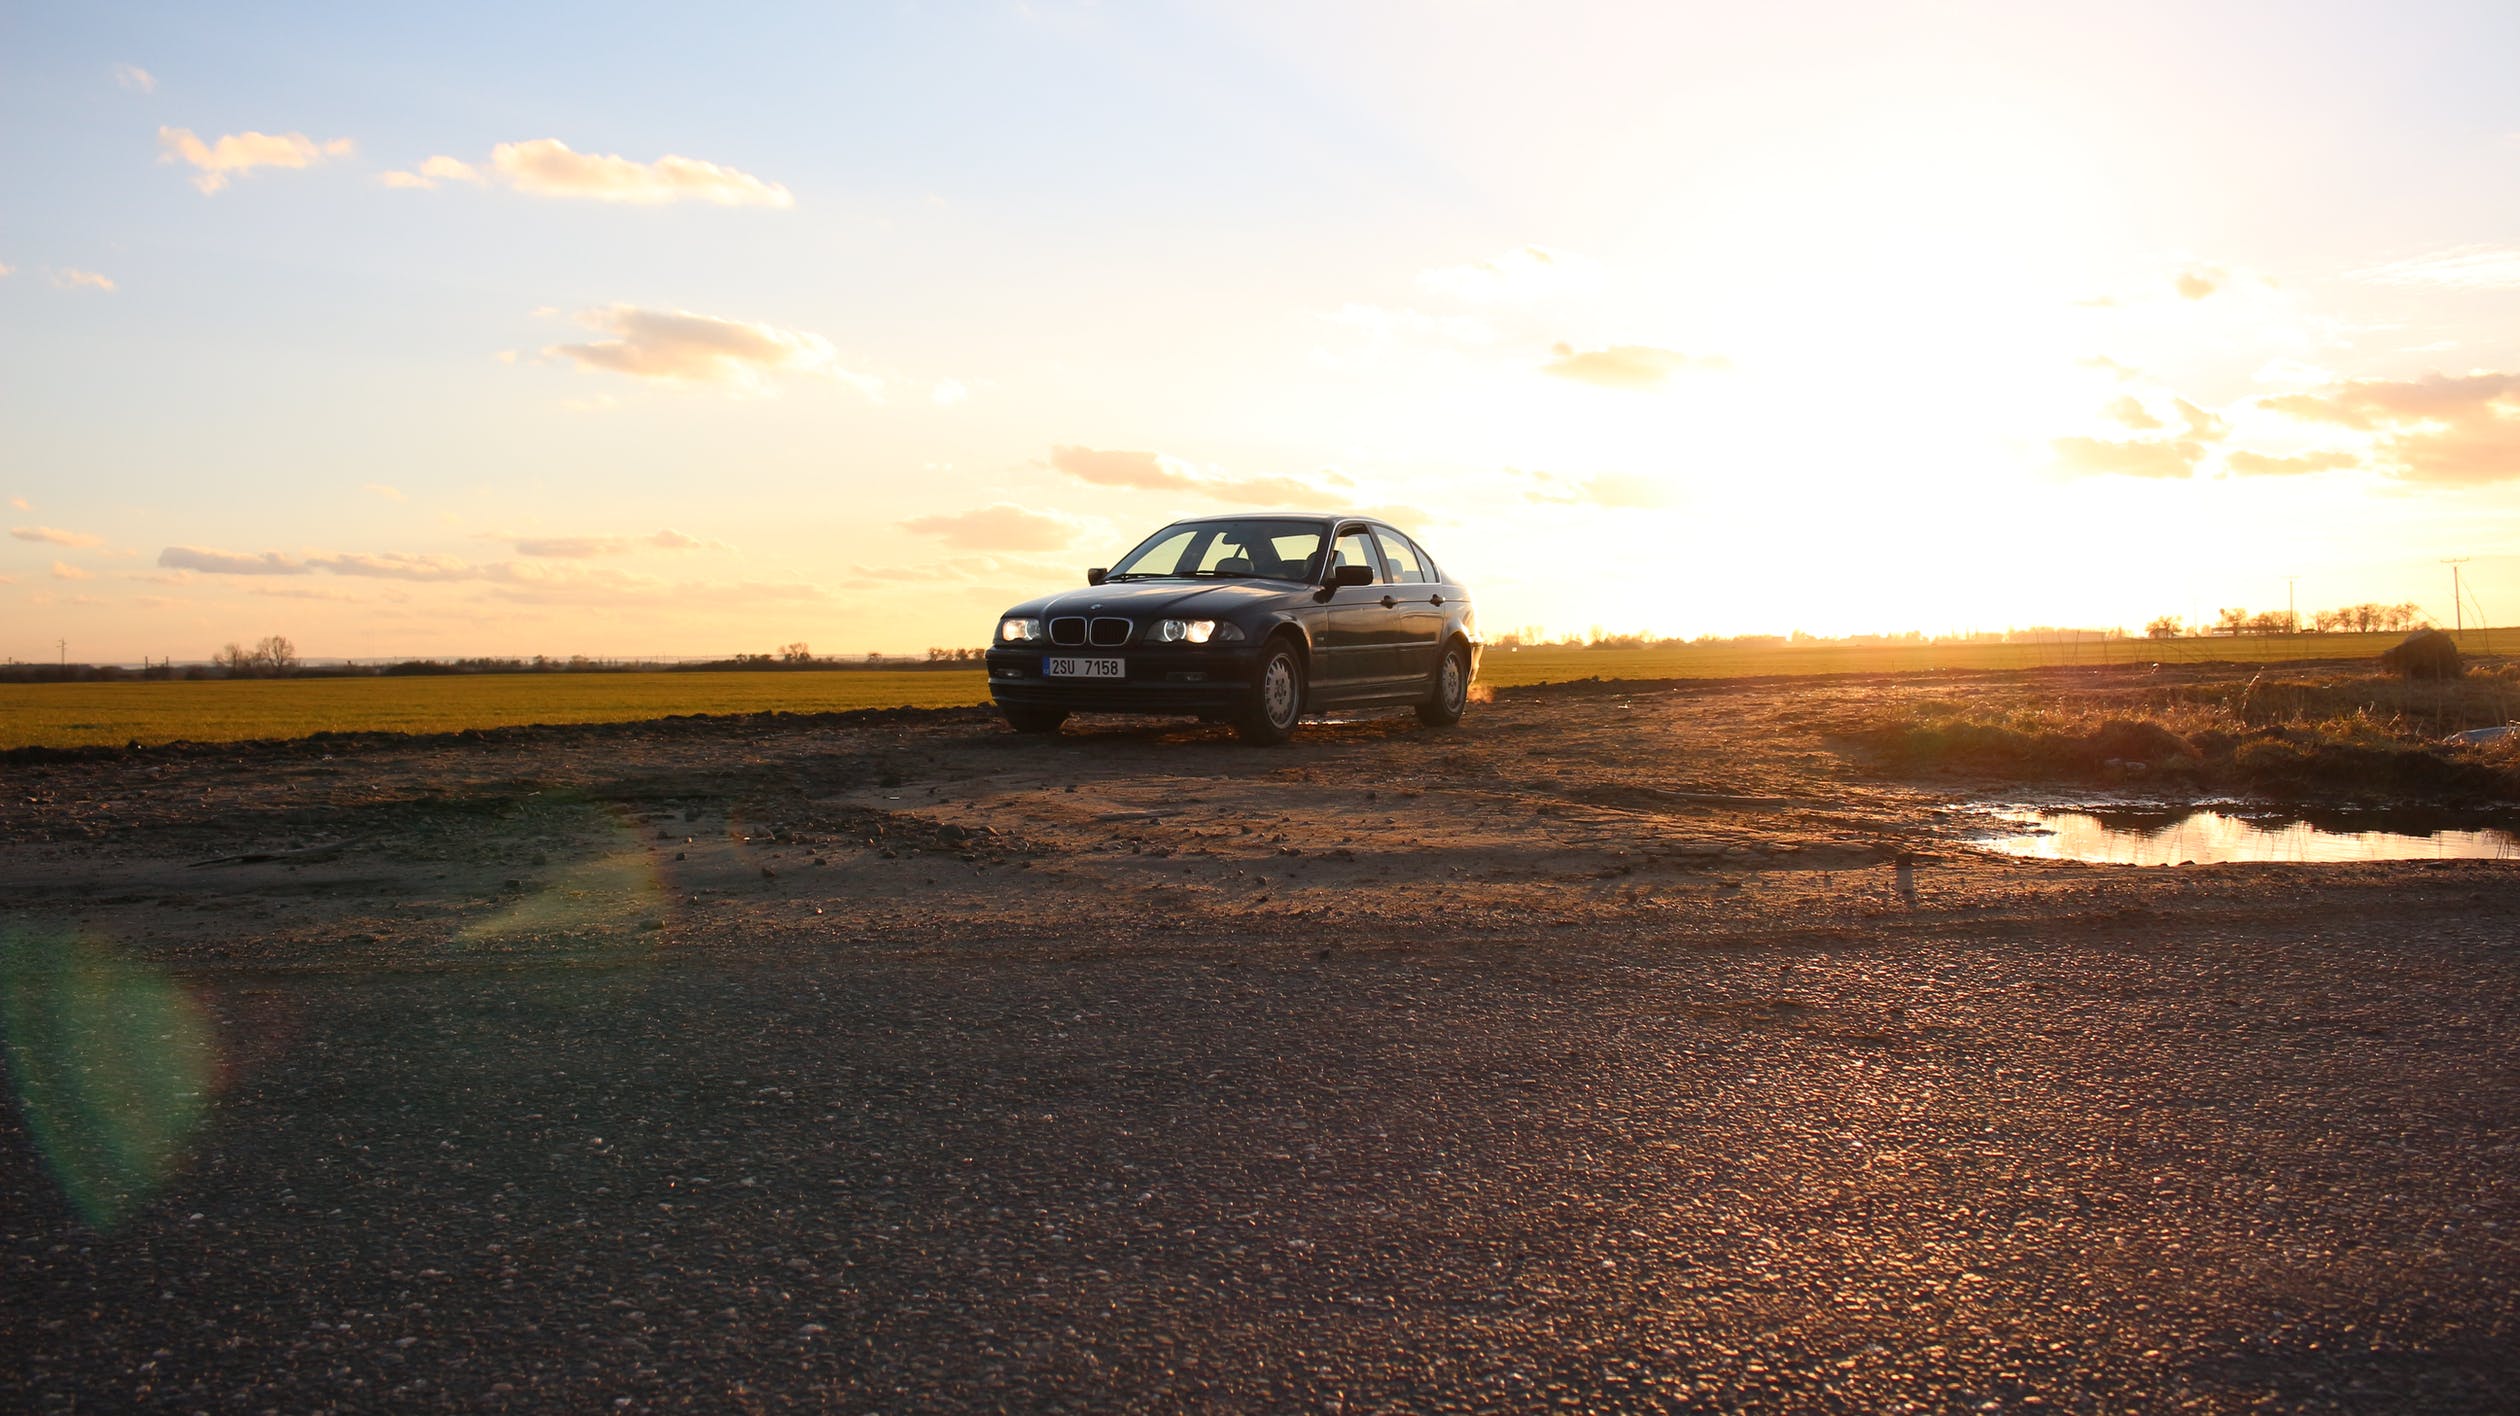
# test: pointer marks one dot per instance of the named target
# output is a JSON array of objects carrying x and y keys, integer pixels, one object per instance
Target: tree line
[{"x": 2345, "y": 619}]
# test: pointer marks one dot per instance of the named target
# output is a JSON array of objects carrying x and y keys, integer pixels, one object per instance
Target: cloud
[
  {"x": 2198, "y": 281},
  {"x": 228, "y": 562},
  {"x": 2259, "y": 464},
  {"x": 63, "y": 570},
  {"x": 589, "y": 547},
  {"x": 7, "y": 269},
  {"x": 379, "y": 489},
  {"x": 2128, "y": 411},
  {"x": 681, "y": 346},
  {"x": 395, "y": 565},
  {"x": 548, "y": 167},
  {"x": 1526, "y": 273},
  {"x": 2100, "y": 457},
  {"x": 1610, "y": 489},
  {"x": 1156, "y": 472},
  {"x": 947, "y": 393},
  {"x": 2458, "y": 268},
  {"x": 2201, "y": 425},
  {"x": 53, "y": 535},
  {"x": 1625, "y": 366},
  {"x": 2451, "y": 429},
  {"x": 243, "y": 152},
  {"x": 21, "y": 503},
  {"x": 73, "y": 278},
  {"x": 135, "y": 78},
  {"x": 1002, "y": 527}
]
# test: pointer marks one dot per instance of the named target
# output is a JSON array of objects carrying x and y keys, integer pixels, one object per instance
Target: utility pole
[
  {"x": 64, "y": 646},
  {"x": 2292, "y": 618},
  {"x": 2458, "y": 609}
]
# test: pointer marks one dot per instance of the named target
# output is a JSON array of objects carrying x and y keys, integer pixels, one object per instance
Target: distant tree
[
  {"x": 2270, "y": 622},
  {"x": 2231, "y": 621},
  {"x": 235, "y": 658},
  {"x": 797, "y": 653},
  {"x": 2166, "y": 627},
  {"x": 276, "y": 655}
]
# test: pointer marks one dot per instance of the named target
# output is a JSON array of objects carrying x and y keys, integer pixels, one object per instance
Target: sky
[{"x": 648, "y": 330}]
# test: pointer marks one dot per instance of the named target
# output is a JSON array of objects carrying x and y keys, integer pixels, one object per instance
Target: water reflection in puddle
[{"x": 2212, "y": 837}]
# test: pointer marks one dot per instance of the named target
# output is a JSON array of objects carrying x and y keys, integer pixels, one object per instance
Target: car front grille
[
  {"x": 1069, "y": 629},
  {"x": 1110, "y": 633}
]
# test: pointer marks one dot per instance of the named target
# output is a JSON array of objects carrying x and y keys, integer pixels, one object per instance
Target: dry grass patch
[{"x": 2295, "y": 736}]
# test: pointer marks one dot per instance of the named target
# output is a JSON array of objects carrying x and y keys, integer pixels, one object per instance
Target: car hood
[{"x": 1139, "y": 599}]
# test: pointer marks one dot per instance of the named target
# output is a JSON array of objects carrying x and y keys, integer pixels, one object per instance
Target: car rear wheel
[
  {"x": 1034, "y": 720},
  {"x": 1448, "y": 693},
  {"x": 1277, "y": 697}
]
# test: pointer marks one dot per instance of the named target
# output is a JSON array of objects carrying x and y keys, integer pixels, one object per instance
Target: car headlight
[
  {"x": 1018, "y": 631},
  {"x": 1195, "y": 632}
]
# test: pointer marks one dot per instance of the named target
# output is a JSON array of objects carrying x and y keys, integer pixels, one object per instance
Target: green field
[{"x": 82, "y": 714}]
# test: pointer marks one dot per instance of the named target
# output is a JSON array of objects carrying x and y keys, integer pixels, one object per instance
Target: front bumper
[{"x": 1159, "y": 679}]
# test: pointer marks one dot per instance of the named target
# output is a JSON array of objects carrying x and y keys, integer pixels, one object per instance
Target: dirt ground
[{"x": 1628, "y": 1048}]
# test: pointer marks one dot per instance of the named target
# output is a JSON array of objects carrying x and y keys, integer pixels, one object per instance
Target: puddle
[{"x": 2214, "y": 837}]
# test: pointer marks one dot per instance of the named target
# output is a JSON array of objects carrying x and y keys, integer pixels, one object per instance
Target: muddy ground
[{"x": 1622, "y": 1049}]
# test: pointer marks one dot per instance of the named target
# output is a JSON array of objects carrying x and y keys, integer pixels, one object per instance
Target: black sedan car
[{"x": 1253, "y": 620}]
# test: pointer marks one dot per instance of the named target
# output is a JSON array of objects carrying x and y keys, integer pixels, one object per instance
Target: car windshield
[{"x": 1270, "y": 549}]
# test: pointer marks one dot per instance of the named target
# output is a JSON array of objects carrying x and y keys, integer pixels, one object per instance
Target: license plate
[{"x": 1084, "y": 668}]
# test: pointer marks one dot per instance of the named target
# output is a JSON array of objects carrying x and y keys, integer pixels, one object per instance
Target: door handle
[
  {"x": 1434, "y": 599},
  {"x": 1388, "y": 602}
]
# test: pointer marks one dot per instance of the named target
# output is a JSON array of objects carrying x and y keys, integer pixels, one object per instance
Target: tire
[
  {"x": 1277, "y": 697},
  {"x": 1448, "y": 692},
  {"x": 1033, "y": 720}
]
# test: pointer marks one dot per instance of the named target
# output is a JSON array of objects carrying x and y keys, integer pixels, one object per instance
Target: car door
[
  {"x": 1414, "y": 624},
  {"x": 1351, "y": 656}
]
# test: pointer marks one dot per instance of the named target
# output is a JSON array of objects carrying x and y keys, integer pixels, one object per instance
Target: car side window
[
  {"x": 1357, "y": 548},
  {"x": 1406, "y": 567}
]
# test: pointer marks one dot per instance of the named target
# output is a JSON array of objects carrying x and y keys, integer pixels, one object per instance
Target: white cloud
[
  {"x": 2198, "y": 281},
  {"x": 52, "y": 535},
  {"x": 1627, "y": 366},
  {"x": 1623, "y": 490},
  {"x": 2148, "y": 457},
  {"x": 21, "y": 503},
  {"x": 681, "y": 346},
  {"x": 1155, "y": 471},
  {"x": 73, "y": 278},
  {"x": 2458, "y": 268},
  {"x": 1003, "y": 527},
  {"x": 62, "y": 570},
  {"x": 947, "y": 393},
  {"x": 243, "y": 152},
  {"x": 135, "y": 78},
  {"x": 1518, "y": 275},
  {"x": 379, "y": 489},
  {"x": 548, "y": 167}
]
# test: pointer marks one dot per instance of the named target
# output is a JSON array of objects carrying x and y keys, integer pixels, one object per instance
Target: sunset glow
[{"x": 621, "y": 332}]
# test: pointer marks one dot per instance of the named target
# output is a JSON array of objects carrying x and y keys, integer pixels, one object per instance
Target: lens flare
[{"x": 112, "y": 1061}]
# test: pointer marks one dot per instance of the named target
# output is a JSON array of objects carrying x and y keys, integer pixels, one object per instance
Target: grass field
[{"x": 83, "y": 714}]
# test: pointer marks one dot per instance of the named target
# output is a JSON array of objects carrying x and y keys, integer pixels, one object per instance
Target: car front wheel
[
  {"x": 1277, "y": 697},
  {"x": 1448, "y": 693}
]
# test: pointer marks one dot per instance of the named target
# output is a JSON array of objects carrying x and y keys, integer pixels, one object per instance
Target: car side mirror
[
  {"x": 1352, "y": 575},
  {"x": 1097, "y": 575}
]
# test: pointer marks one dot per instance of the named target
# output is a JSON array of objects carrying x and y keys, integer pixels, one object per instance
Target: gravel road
[{"x": 1584, "y": 1058}]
